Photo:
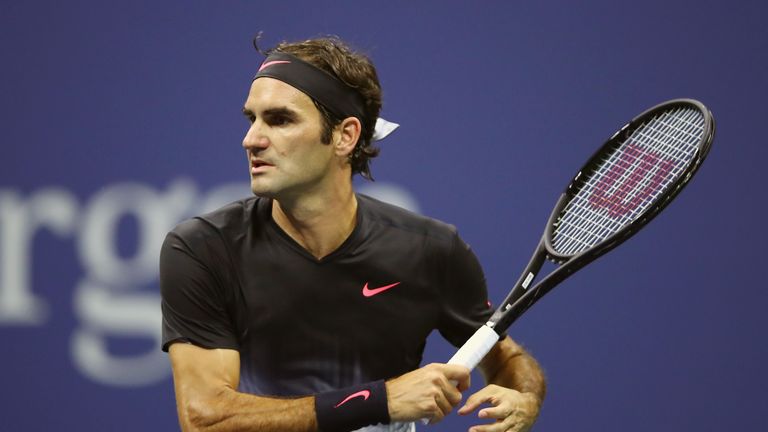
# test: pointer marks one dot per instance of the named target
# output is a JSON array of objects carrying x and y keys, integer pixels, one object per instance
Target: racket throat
[
  {"x": 509, "y": 301},
  {"x": 527, "y": 281}
]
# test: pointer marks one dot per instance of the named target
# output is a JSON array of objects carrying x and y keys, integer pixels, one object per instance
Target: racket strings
[
  {"x": 632, "y": 166},
  {"x": 629, "y": 179},
  {"x": 645, "y": 160}
]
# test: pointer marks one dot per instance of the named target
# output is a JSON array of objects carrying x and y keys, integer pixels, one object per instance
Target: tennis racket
[{"x": 624, "y": 185}]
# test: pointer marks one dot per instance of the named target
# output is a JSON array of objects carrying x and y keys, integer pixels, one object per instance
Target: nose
[{"x": 255, "y": 138}]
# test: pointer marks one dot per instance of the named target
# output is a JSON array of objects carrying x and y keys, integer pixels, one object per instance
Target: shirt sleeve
[
  {"x": 465, "y": 305},
  {"x": 194, "y": 289}
]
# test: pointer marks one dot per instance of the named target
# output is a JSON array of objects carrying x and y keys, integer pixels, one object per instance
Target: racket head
[{"x": 629, "y": 180}]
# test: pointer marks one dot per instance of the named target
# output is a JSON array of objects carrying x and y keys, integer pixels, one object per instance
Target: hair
[{"x": 333, "y": 56}]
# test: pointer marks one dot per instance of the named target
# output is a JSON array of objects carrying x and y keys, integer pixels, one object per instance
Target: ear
[{"x": 348, "y": 132}]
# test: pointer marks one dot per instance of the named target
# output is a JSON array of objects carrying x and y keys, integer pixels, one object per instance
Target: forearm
[
  {"x": 509, "y": 365},
  {"x": 234, "y": 411}
]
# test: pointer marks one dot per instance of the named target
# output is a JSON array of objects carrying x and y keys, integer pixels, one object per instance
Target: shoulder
[
  {"x": 221, "y": 223},
  {"x": 399, "y": 219}
]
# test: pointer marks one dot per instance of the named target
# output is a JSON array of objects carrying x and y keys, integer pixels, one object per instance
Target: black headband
[{"x": 337, "y": 97}]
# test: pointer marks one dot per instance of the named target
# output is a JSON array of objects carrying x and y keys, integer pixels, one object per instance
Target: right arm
[{"x": 207, "y": 399}]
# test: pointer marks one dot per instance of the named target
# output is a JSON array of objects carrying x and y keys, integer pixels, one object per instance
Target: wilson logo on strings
[{"x": 622, "y": 191}]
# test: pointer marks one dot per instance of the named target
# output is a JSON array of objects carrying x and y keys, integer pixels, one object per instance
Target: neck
[{"x": 319, "y": 223}]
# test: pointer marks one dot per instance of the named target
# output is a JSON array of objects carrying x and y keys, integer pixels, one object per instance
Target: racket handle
[{"x": 473, "y": 350}]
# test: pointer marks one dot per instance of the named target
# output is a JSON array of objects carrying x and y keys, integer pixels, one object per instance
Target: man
[{"x": 308, "y": 307}]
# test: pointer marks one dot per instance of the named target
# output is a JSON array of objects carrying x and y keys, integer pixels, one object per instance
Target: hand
[
  {"x": 426, "y": 392},
  {"x": 512, "y": 410}
]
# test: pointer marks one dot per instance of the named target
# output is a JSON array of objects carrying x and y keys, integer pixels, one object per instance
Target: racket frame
[{"x": 521, "y": 297}]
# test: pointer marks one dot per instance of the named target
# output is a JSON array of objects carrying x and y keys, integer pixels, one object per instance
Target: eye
[
  {"x": 249, "y": 116},
  {"x": 277, "y": 120}
]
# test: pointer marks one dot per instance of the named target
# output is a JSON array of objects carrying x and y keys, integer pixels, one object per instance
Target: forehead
[{"x": 266, "y": 93}]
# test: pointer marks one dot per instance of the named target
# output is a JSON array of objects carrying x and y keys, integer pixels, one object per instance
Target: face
[{"x": 285, "y": 154}]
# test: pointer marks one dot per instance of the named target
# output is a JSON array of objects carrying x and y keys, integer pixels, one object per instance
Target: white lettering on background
[
  {"x": 53, "y": 209},
  {"x": 109, "y": 299}
]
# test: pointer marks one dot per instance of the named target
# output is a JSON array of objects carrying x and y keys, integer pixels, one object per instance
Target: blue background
[{"x": 119, "y": 118}]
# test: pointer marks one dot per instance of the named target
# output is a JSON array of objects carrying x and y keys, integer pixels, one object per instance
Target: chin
[
  {"x": 258, "y": 188},
  {"x": 262, "y": 190}
]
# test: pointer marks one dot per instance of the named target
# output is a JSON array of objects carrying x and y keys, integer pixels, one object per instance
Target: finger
[
  {"x": 440, "y": 409},
  {"x": 486, "y": 394},
  {"x": 493, "y": 427},
  {"x": 506, "y": 421},
  {"x": 443, "y": 404},
  {"x": 471, "y": 404},
  {"x": 499, "y": 412},
  {"x": 457, "y": 373},
  {"x": 452, "y": 394}
]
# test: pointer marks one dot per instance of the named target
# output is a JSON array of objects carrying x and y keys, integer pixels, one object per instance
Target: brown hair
[{"x": 333, "y": 56}]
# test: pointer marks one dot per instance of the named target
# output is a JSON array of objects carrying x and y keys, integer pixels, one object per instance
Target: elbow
[
  {"x": 197, "y": 417},
  {"x": 202, "y": 415}
]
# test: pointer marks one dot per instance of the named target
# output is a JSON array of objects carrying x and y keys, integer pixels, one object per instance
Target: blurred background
[{"x": 118, "y": 119}]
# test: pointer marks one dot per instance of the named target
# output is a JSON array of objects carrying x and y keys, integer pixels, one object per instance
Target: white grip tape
[{"x": 475, "y": 348}]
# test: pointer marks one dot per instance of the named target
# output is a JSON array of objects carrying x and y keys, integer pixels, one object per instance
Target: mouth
[{"x": 259, "y": 165}]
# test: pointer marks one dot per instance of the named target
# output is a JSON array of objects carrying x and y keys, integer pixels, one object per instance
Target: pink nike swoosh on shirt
[
  {"x": 368, "y": 292},
  {"x": 362, "y": 393},
  {"x": 268, "y": 64}
]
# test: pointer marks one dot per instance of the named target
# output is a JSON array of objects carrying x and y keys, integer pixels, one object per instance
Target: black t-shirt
[{"x": 233, "y": 279}]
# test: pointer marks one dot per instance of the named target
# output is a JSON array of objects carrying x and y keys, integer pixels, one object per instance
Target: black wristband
[{"x": 352, "y": 408}]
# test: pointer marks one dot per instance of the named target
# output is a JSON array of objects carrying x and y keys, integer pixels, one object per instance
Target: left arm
[{"x": 515, "y": 389}]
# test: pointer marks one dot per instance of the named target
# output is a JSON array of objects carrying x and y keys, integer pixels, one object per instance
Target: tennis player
[{"x": 307, "y": 307}]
